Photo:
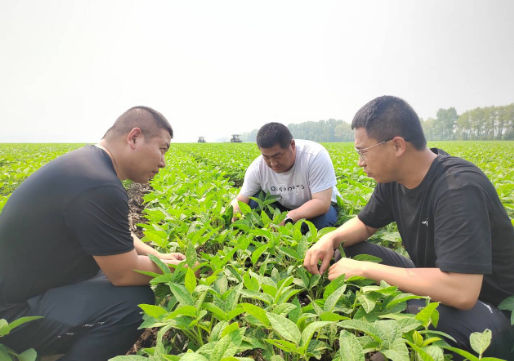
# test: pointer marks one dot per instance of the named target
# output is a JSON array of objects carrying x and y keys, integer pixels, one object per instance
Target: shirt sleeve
[
  {"x": 377, "y": 213},
  {"x": 98, "y": 219},
  {"x": 251, "y": 184},
  {"x": 321, "y": 173},
  {"x": 462, "y": 232}
]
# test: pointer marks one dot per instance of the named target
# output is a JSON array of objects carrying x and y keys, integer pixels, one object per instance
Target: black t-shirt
[
  {"x": 453, "y": 220},
  {"x": 69, "y": 210}
]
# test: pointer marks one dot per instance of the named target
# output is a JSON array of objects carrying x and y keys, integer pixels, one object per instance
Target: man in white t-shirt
[{"x": 299, "y": 171}]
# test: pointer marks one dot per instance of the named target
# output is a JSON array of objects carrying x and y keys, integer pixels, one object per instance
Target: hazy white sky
[{"x": 69, "y": 68}]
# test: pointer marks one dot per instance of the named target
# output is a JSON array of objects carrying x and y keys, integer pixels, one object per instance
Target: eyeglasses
[{"x": 362, "y": 152}]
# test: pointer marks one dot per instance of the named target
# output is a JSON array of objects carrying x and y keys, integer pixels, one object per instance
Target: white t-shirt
[{"x": 312, "y": 172}]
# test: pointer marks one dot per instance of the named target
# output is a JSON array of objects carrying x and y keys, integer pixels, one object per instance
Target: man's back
[{"x": 52, "y": 224}]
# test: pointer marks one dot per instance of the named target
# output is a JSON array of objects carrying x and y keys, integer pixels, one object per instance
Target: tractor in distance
[
  {"x": 235, "y": 139},
  {"x": 201, "y": 139}
]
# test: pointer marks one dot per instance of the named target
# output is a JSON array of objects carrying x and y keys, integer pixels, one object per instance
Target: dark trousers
[
  {"x": 89, "y": 320},
  {"x": 328, "y": 219},
  {"x": 457, "y": 323}
]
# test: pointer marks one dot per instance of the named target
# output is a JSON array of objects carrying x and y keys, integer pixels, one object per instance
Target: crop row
[{"x": 254, "y": 299}]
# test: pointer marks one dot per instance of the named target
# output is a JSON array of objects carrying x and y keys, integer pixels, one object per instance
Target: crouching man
[{"x": 299, "y": 171}]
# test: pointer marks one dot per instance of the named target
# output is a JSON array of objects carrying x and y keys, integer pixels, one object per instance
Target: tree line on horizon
[{"x": 488, "y": 123}]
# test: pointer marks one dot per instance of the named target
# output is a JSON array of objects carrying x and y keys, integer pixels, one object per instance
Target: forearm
[
  {"x": 452, "y": 289},
  {"x": 133, "y": 278},
  {"x": 309, "y": 210},
  {"x": 142, "y": 248},
  {"x": 352, "y": 232}
]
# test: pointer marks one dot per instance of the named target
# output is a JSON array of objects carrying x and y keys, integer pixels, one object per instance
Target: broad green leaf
[
  {"x": 283, "y": 309},
  {"x": 28, "y": 355},
  {"x": 388, "y": 331},
  {"x": 368, "y": 301},
  {"x": 191, "y": 257},
  {"x": 141, "y": 358},
  {"x": 421, "y": 352},
  {"x": 398, "y": 351},
  {"x": 463, "y": 353},
  {"x": 190, "y": 281},
  {"x": 365, "y": 327},
  {"x": 251, "y": 283},
  {"x": 403, "y": 297},
  {"x": 189, "y": 311},
  {"x": 310, "y": 329},
  {"x": 480, "y": 341},
  {"x": 191, "y": 357},
  {"x": 507, "y": 304},
  {"x": 256, "y": 312},
  {"x": 425, "y": 315},
  {"x": 230, "y": 328},
  {"x": 245, "y": 208},
  {"x": 435, "y": 352},
  {"x": 284, "y": 345},
  {"x": 154, "y": 311},
  {"x": 349, "y": 347},
  {"x": 331, "y": 316},
  {"x": 258, "y": 252},
  {"x": 215, "y": 310},
  {"x": 181, "y": 294},
  {"x": 331, "y": 301},
  {"x": 285, "y": 327},
  {"x": 367, "y": 258},
  {"x": 217, "y": 330},
  {"x": 4, "y": 328}
]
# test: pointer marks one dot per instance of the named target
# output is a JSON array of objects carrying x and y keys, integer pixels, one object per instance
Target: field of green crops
[{"x": 254, "y": 300}]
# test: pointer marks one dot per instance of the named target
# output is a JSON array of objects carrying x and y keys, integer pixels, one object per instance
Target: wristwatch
[{"x": 288, "y": 220}]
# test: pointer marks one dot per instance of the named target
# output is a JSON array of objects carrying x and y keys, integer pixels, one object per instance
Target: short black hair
[
  {"x": 387, "y": 117},
  {"x": 136, "y": 117},
  {"x": 272, "y": 134}
]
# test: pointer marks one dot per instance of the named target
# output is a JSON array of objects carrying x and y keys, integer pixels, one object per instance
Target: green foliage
[{"x": 6, "y": 354}]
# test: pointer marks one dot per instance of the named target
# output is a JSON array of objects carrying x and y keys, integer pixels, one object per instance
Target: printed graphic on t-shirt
[{"x": 285, "y": 189}]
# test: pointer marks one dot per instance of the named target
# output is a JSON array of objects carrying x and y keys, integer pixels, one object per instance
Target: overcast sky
[{"x": 69, "y": 68}]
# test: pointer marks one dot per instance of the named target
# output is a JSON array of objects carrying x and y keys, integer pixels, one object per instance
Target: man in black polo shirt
[
  {"x": 452, "y": 223},
  {"x": 66, "y": 247}
]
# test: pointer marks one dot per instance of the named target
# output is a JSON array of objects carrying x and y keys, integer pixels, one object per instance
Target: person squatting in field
[
  {"x": 452, "y": 223},
  {"x": 299, "y": 171},
  {"x": 66, "y": 247}
]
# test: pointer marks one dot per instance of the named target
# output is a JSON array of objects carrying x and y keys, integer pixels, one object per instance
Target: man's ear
[
  {"x": 134, "y": 136},
  {"x": 400, "y": 145},
  {"x": 293, "y": 144}
]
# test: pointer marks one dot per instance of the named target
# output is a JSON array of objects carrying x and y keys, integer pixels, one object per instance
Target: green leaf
[
  {"x": 480, "y": 341},
  {"x": 463, "y": 353},
  {"x": 21, "y": 321},
  {"x": 285, "y": 328},
  {"x": 257, "y": 253},
  {"x": 215, "y": 310},
  {"x": 256, "y": 312},
  {"x": 190, "y": 357},
  {"x": 435, "y": 352},
  {"x": 245, "y": 208},
  {"x": 331, "y": 300},
  {"x": 4, "y": 328},
  {"x": 162, "y": 266},
  {"x": 421, "y": 352},
  {"x": 28, "y": 355},
  {"x": 257, "y": 295},
  {"x": 154, "y": 311},
  {"x": 425, "y": 315},
  {"x": 398, "y": 351},
  {"x": 141, "y": 358},
  {"x": 507, "y": 304},
  {"x": 368, "y": 301},
  {"x": 284, "y": 345},
  {"x": 190, "y": 281},
  {"x": 310, "y": 329},
  {"x": 365, "y": 327},
  {"x": 367, "y": 258},
  {"x": 388, "y": 331},
  {"x": 349, "y": 347},
  {"x": 251, "y": 283},
  {"x": 189, "y": 311},
  {"x": 181, "y": 294}
]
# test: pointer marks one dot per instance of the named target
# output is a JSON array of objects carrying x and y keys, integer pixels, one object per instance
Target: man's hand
[
  {"x": 346, "y": 266},
  {"x": 323, "y": 251},
  {"x": 171, "y": 256}
]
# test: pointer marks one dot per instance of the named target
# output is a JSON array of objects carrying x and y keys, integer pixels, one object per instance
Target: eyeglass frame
[{"x": 362, "y": 152}]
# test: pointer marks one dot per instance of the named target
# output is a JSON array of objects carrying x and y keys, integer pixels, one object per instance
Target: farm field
[{"x": 254, "y": 300}]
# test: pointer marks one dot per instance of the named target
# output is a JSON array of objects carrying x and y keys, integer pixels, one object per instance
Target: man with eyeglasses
[
  {"x": 453, "y": 225},
  {"x": 299, "y": 171}
]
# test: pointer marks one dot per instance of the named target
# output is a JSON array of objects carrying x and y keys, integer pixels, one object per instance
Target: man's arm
[
  {"x": 119, "y": 268},
  {"x": 352, "y": 232},
  {"x": 240, "y": 197},
  {"x": 318, "y": 205},
  {"x": 452, "y": 289},
  {"x": 143, "y": 249}
]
